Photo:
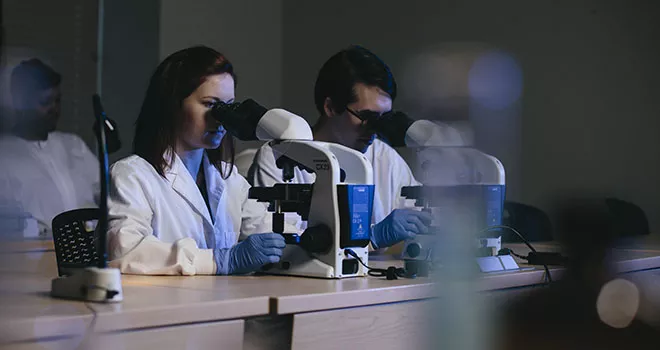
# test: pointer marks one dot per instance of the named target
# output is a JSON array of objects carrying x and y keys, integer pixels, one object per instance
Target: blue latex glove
[
  {"x": 249, "y": 255},
  {"x": 400, "y": 225}
]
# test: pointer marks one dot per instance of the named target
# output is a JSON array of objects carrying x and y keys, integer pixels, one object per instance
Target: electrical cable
[
  {"x": 548, "y": 278},
  {"x": 89, "y": 330},
  {"x": 511, "y": 252},
  {"x": 391, "y": 273}
]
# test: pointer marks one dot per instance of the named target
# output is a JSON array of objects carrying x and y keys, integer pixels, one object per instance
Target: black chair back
[
  {"x": 76, "y": 244},
  {"x": 531, "y": 222}
]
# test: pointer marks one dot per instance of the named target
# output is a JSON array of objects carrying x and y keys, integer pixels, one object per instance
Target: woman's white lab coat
[{"x": 161, "y": 225}]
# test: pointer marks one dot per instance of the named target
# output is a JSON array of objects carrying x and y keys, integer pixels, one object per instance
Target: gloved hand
[
  {"x": 249, "y": 255},
  {"x": 401, "y": 224}
]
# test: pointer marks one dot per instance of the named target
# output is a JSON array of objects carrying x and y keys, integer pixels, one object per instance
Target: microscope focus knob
[
  {"x": 317, "y": 239},
  {"x": 413, "y": 249},
  {"x": 278, "y": 222}
]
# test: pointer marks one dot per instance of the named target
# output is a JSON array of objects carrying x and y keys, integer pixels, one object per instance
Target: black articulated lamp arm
[{"x": 102, "y": 228}]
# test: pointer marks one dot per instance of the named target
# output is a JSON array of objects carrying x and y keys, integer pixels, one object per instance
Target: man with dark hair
[
  {"x": 36, "y": 97},
  {"x": 353, "y": 87},
  {"x": 50, "y": 172}
]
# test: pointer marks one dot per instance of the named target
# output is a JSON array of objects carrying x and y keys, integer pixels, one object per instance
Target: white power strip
[
  {"x": 90, "y": 284},
  {"x": 497, "y": 263}
]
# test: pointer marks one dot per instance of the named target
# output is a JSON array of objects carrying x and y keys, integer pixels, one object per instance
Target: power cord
[
  {"x": 509, "y": 251},
  {"x": 548, "y": 277},
  {"x": 534, "y": 258},
  {"x": 89, "y": 331},
  {"x": 109, "y": 293},
  {"x": 391, "y": 273}
]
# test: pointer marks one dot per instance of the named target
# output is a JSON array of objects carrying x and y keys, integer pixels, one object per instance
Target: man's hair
[
  {"x": 31, "y": 76},
  {"x": 346, "y": 68}
]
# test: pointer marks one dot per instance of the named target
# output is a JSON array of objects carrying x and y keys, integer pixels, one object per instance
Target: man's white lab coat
[
  {"x": 46, "y": 178},
  {"x": 162, "y": 226},
  {"x": 390, "y": 173}
]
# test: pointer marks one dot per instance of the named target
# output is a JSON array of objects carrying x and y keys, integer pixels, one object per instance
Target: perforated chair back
[{"x": 76, "y": 244}]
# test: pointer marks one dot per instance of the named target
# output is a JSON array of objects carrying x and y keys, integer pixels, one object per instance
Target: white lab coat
[
  {"x": 46, "y": 178},
  {"x": 162, "y": 226},
  {"x": 390, "y": 173}
]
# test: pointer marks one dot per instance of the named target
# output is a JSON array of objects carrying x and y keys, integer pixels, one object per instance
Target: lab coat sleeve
[{"x": 132, "y": 247}]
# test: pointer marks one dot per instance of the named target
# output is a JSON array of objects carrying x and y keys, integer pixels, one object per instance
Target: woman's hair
[{"x": 176, "y": 78}]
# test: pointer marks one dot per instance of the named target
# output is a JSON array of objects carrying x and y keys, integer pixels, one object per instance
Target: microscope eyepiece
[
  {"x": 240, "y": 119},
  {"x": 391, "y": 127}
]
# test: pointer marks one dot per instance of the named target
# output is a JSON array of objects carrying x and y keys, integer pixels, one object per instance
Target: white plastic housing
[
  {"x": 89, "y": 284},
  {"x": 279, "y": 124},
  {"x": 425, "y": 133}
]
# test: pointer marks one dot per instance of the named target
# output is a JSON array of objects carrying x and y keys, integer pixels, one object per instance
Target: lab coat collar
[
  {"x": 184, "y": 184},
  {"x": 215, "y": 185}
]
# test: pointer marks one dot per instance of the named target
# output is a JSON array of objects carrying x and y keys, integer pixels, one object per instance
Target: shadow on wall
[
  {"x": 475, "y": 88},
  {"x": 443, "y": 83}
]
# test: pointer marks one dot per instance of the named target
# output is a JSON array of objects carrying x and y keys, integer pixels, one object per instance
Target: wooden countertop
[
  {"x": 146, "y": 305},
  {"x": 28, "y": 312},
  {"x": 298, "y": 294},
  {"x": 31, "y": 245},
  {"x": 647, "y": 242},
  {"x": 622, "y": 261},
  {"x": 301, "y": 295}
]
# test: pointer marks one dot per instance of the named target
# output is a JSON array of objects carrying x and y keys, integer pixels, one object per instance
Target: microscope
[
  {"x": 462, "y": 187},
  {"x": 337, "y": 206}
]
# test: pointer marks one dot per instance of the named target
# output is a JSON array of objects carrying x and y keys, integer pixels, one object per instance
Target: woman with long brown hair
[{"x": 178, "y": 205}]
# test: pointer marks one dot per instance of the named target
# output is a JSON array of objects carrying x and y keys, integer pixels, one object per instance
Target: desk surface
[
  {"x": 647, "y": 242},
  {"x": 154, "y": 301},
  {"x": 297, "y": 294},
  {"x": 28, "y": 311},
  {"x": 31, "y": 245},
  {"x": 622, "y": 261}
]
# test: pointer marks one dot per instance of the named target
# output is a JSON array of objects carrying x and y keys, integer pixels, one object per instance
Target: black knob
[
  {"x": 291, "y": 238},
  {"x": 287, "y": 165},
  {"x": 317, "y": 239},
  {"x": 414, "y": 249},
  {"x": 278, "y": 222}
]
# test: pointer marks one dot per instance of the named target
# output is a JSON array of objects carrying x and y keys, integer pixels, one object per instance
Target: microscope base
[{"x": 297, "y": 262}]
